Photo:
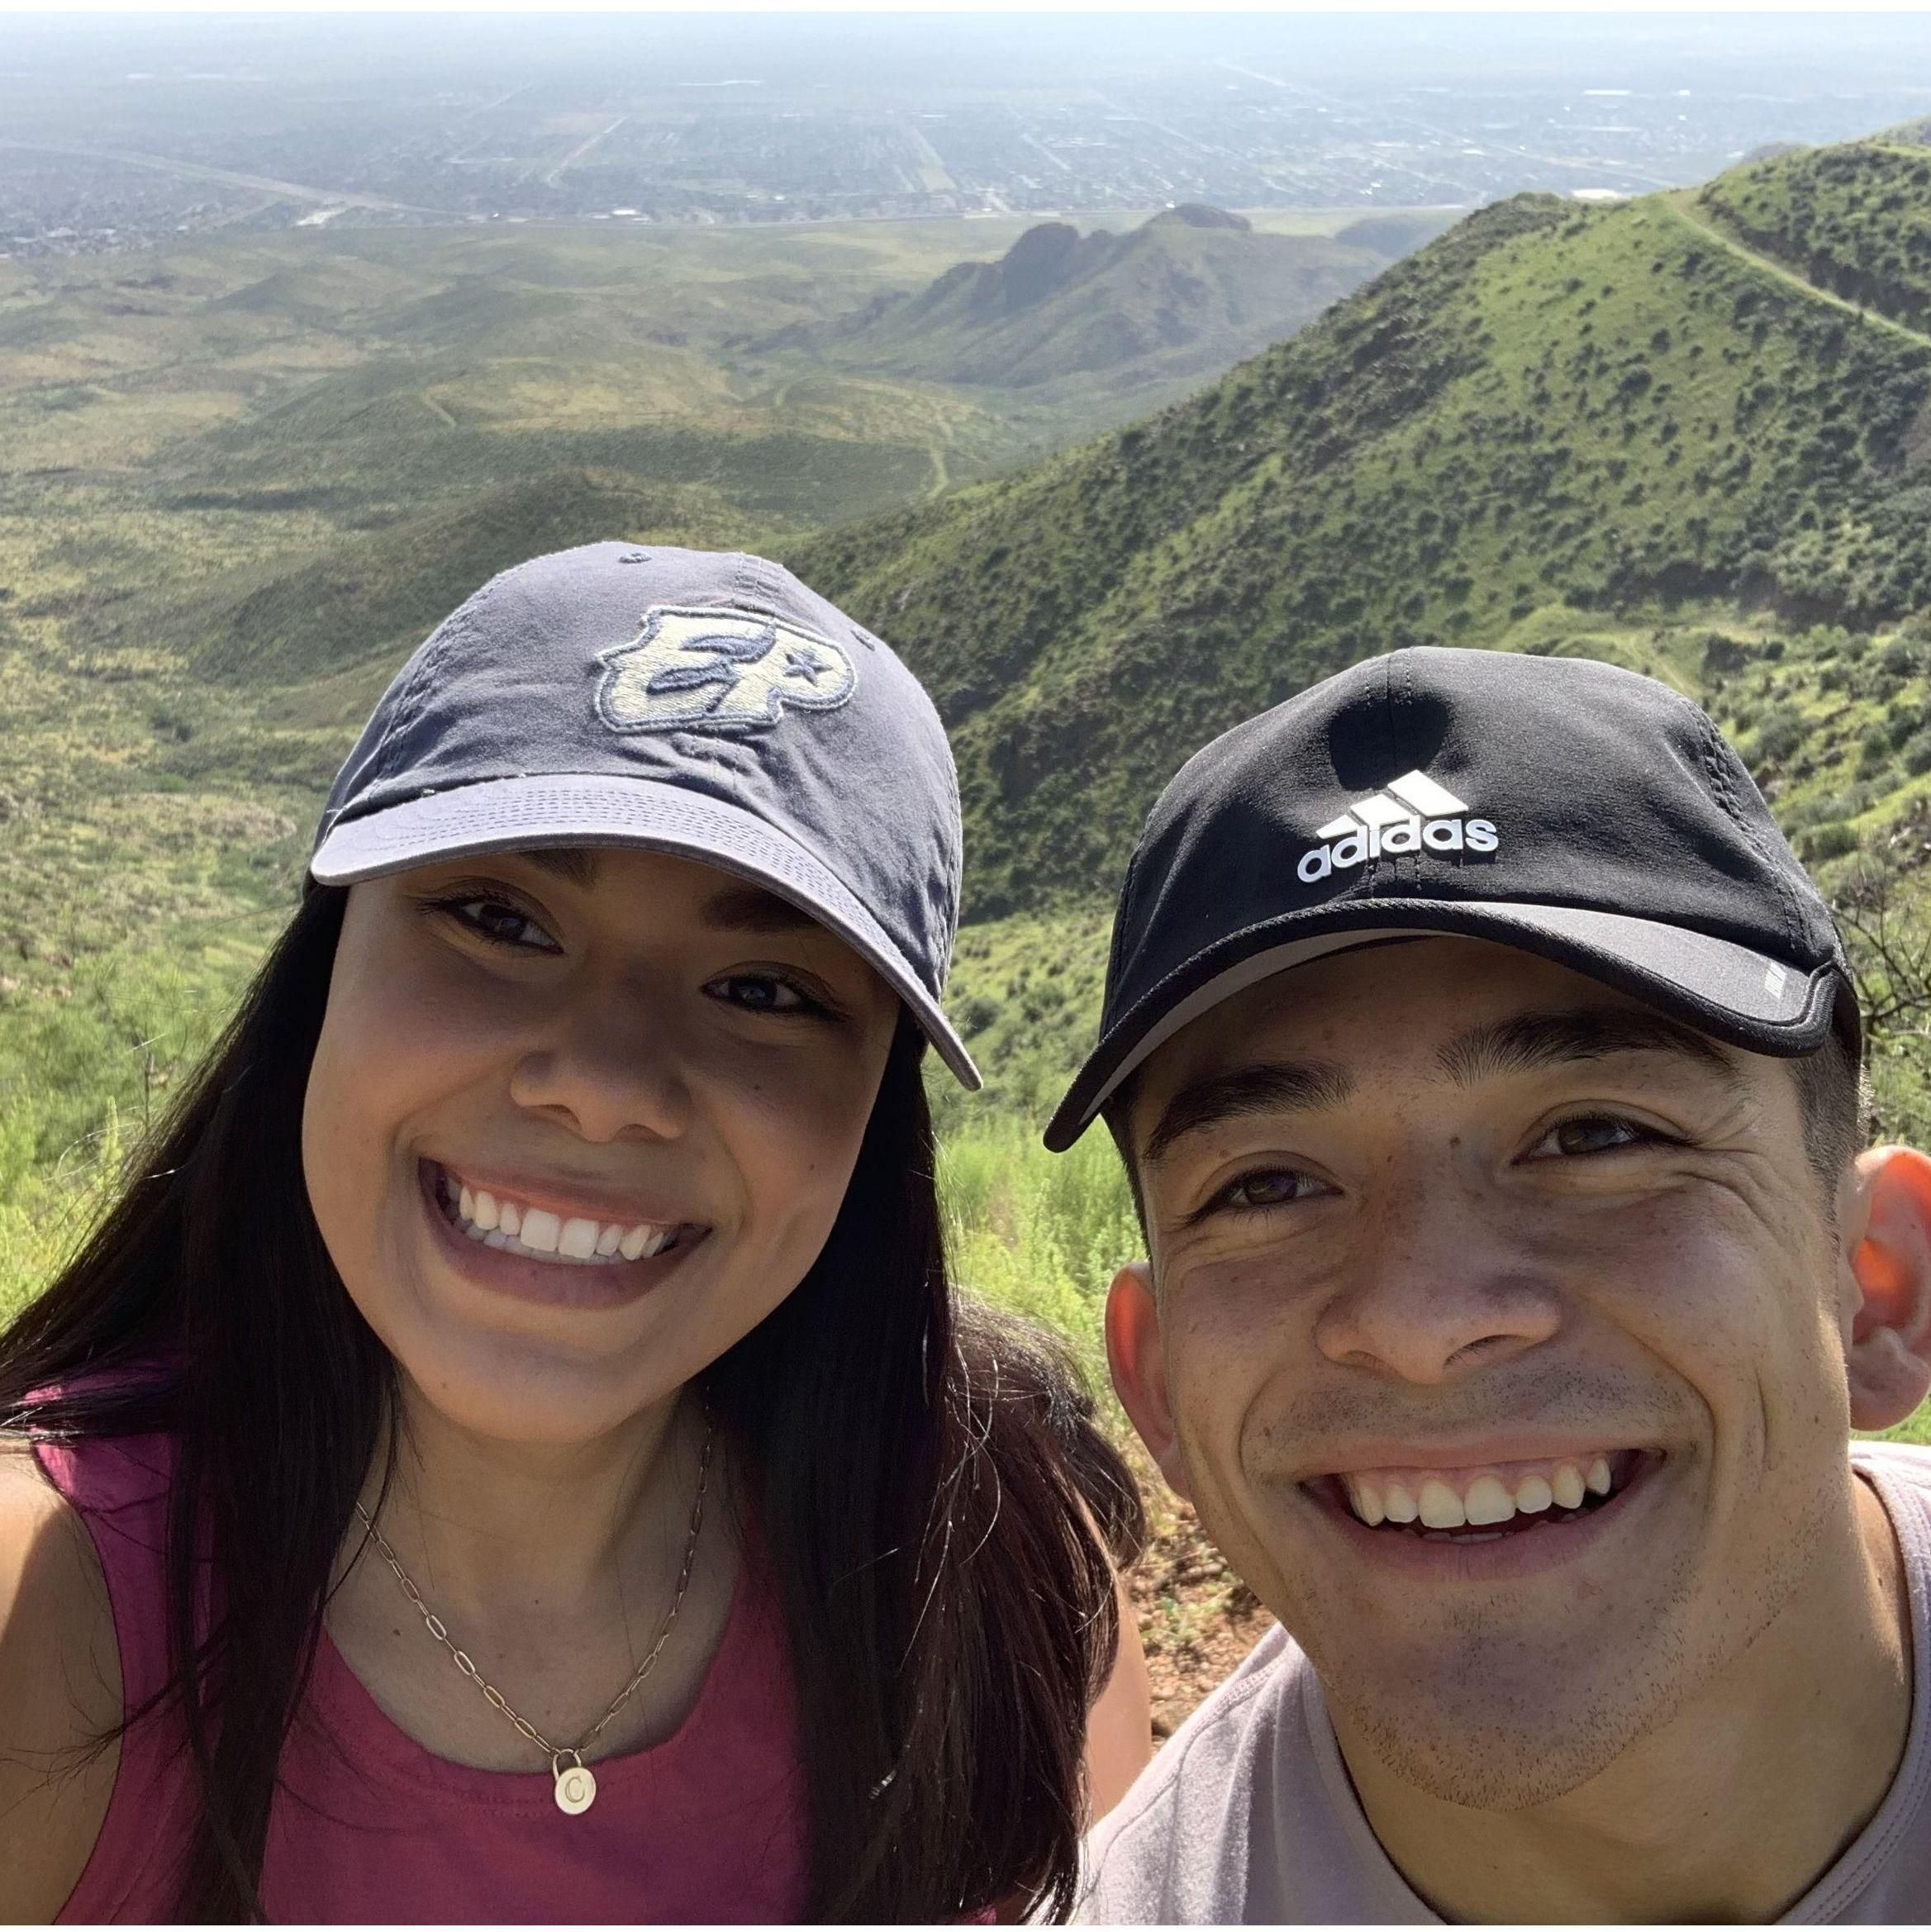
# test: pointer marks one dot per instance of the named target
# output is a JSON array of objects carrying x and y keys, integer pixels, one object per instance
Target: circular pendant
[{"x": 576, "y": 1789}]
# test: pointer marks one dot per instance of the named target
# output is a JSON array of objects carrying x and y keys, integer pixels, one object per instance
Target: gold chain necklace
[{"x": 576, "y": 1785}]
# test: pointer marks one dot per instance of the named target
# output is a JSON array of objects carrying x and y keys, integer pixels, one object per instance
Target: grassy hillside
[
  {"x": 1855, "y": 220},
  {"x": 1551, "y": 421}
]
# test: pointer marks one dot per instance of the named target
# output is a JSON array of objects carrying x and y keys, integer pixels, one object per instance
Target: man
[{"x": 1487, "y": 1071}]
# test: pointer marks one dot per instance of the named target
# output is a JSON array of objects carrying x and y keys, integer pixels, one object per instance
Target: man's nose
[
  {"x": 611, "y": 1068},
  {"x": 1437, "y": 1291}
]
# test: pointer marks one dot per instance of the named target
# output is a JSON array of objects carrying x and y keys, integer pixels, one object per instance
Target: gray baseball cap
[{"x": 691, "y": 702}]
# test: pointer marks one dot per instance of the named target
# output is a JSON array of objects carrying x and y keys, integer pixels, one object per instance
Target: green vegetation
[
  {"x": 1040, "y": 1234},
  {"x": 1550, "y": 420},
  {"x": 87, "y": 1066},
  {"x": 241, "y": 480},
  {"x": 1855, "y": 220}
]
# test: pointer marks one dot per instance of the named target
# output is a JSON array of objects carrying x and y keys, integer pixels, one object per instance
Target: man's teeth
[
  {"x": 1450, "y": 1501},
  {"x": 535, "y": 1231}
]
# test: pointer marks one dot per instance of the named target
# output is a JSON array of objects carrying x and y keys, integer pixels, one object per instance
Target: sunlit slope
[
  {"x": 176, "y": 427},
  {"x": 382, "y": 594},
  {"x": 1594, "y": 410},
  {"x": 1854, "y": 220}
]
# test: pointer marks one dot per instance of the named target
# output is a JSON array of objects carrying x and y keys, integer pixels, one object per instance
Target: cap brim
[
  {"x": 1731, "y": 992},
  {"x": 507, "y": 815}
]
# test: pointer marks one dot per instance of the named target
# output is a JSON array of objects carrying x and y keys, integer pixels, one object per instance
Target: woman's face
[{"x": 578, "y": 1120}]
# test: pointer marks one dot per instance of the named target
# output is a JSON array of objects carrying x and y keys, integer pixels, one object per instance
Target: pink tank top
[{"x": 368, "y": 1826}]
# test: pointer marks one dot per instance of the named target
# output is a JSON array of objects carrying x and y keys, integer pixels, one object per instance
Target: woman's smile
[{"x": 528, "y": 1242}]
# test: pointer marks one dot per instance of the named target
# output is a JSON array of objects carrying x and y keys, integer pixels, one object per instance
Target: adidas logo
[{"x": 1405, "y": 814}]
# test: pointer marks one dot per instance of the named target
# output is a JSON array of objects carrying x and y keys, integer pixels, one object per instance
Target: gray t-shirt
[{"x": 1247, "y": 1816}]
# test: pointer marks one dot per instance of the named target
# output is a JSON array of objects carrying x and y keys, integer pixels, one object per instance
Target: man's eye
[
  {"x": 500, "y": 924},
  {"x": 1267, "y": 1187},
  {"x": 1594, "y": 1134}
]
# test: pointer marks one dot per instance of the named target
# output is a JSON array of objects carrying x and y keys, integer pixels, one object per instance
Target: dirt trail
[
  {"x": 1683, "y": 205},
  {"x": 1197, "y": 1620}
]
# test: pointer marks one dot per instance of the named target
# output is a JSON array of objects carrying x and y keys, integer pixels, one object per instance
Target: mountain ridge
[
  {"x": 1189, "y": 289},
  {"x": 1551, "y": 416}
]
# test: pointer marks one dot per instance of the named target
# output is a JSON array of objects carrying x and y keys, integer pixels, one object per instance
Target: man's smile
[
  {"x": 1472, "y": 1502},
  {"x": 1484, "y": 1520}
]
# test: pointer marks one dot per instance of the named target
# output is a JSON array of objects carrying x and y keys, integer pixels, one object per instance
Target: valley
[{"x": 241, "y": 477}]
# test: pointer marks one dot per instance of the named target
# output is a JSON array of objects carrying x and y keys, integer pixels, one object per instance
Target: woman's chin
[
  {"x": 509, "y": 1370},
  {"x": 520, "y": 1391}
]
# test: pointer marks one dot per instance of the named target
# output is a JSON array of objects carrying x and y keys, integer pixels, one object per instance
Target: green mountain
[
  {"x": 1854, "y": 221},
  {"x": 1188, "y": 291},
  {"x": 1621, "y": 429},
  {"x": 239, "y": 483},
  {"x": 381, "y": 594}
]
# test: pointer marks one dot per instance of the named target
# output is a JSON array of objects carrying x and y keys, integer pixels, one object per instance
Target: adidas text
[{"x": 1411, "y": 814}]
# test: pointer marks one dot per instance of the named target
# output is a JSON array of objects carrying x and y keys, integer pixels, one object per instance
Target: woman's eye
[
  {"x": 500, "y": 924},
  {"x": 1593, "y": 1134},
  {"x": 762, "y": 993}
]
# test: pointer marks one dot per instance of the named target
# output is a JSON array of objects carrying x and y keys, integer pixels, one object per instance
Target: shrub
[
  {"x": 1827, "y": 842},
  {"x": 1780, "y": 732},
  {"x": 1903, "y": 657}
]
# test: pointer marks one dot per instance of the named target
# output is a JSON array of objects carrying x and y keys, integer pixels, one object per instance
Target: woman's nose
[{"x": 613, "y": 1071}]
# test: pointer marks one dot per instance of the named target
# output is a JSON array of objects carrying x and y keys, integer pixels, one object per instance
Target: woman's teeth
[
  {"x": 1444, "y": 1501},
  {"x": 517, "y": 1229}
]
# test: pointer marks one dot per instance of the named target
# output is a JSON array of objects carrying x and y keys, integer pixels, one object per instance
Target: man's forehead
[{"x": 1461, "y": 1009}]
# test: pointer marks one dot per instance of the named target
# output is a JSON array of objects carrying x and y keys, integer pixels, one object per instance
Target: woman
[{"x": 510, "y": 1452}]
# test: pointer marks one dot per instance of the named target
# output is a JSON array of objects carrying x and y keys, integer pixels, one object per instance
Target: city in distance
[{"x": 117, "y": 132}]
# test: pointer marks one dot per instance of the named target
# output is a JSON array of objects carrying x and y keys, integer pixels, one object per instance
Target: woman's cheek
[
  {"x": 794, "y": 1132},
  {"x": 398, "y": 1036}
]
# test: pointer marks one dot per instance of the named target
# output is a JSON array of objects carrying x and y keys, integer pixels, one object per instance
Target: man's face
[{"x": 1442, "y": 1231}]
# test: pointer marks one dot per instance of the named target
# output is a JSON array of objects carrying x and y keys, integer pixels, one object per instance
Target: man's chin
[
  {"x": 1499, "y": 1721},
  {"x": 1502, "y": 1765}
]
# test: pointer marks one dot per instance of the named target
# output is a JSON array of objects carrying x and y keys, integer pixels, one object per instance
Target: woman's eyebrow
[
  {"x": 751, "y": 909},
  {"x": 735, "y": 908},
  {"x": 576, "y": 864}
]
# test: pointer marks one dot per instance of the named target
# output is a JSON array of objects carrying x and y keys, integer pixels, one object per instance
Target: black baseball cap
[
  {"x": 1567, "y": 808},
  {"x": 698, "y": 702}
]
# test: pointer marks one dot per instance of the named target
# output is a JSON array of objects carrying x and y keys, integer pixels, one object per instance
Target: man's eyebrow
[
  {"x": 1533, "y": 1041},
  {"x": 1264, "y": 1088},
  {"x": 749, "y": 908}
]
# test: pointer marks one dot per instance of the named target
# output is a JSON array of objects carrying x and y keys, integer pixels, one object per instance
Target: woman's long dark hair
[{"x": 948, "y": 1592}]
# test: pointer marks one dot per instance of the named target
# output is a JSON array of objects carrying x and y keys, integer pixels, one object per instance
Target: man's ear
[
  {"x": 1138, "y": 1363},
  {"x": 1887, "y": 1340}
]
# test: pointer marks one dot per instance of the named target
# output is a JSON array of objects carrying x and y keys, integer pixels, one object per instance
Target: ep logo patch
[{"x": 721, "y": 670}]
